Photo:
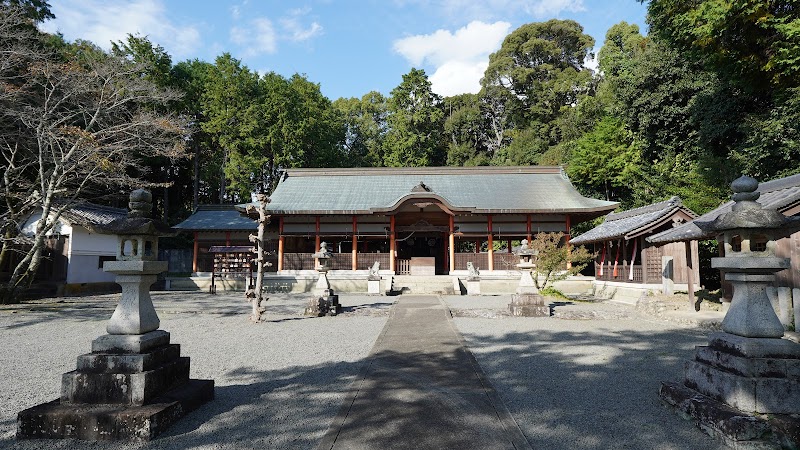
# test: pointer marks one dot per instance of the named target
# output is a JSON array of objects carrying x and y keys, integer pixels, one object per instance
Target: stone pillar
[
  {"x": 527, "y": 301},
  {"x": 134, "y": 384}
]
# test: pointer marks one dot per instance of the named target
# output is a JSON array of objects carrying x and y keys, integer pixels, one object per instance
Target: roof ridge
[
  {"x": 672, "y": 202},
  {"x": 437, "y": 170},
  {"x": 780, "y": 183}
]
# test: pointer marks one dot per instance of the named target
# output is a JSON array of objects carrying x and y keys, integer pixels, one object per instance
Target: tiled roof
[
  {"x": 90, "y": 215},
  {"x": 780, "y": 194},
  {"x": 631, "y": 223},
  {"x": 534, "y": 189},
  {"x": 217, "y": 218}
]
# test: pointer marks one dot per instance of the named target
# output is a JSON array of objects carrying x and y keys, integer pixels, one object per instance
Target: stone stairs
[{"x": 417, "y": 284}]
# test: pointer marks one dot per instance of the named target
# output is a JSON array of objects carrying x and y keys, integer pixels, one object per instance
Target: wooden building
[
  {"x": 216, "y": 225},
  {"x": 625, "y": 255},
  {"x": 425, "y": 221},
  {"x": 782, "y": 194}
]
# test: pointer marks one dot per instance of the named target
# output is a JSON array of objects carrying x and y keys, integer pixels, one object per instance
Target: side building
[{"x": 627, "y": 259}]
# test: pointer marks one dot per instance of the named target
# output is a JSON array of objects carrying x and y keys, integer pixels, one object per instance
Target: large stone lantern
[
  {"x": 527, "y": 301},
  {"x": 134, "y": 384},
  {"x": 748, "y": 233},
  {"x": 744, "y": 386},
  {"x": 323, "y": 300}
]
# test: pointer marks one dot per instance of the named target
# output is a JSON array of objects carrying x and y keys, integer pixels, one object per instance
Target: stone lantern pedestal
[
  {"x": 527, "y": 301},
  {"x": 744, "y": 386},
  {"x": 134, "y": 384},
  {"x": 323, "y": 301},
  {"x": 473, "y": 280}
]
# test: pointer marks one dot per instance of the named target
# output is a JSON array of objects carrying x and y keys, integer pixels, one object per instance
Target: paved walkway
[{"x": 421, "y": 388}]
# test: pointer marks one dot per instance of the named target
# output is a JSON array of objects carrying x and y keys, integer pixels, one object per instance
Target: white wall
[{"x": 85, "y": 250}]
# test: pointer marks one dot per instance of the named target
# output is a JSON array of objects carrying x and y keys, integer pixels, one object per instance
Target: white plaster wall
[
  {"x": 85, "y": 250},
  {"x": 29, "y": 227}
]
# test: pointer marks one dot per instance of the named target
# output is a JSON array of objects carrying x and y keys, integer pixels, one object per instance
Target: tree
[
  {"x": 365, "y": 126},
  {"x": 551, "y": 261},
  {"x": 415, "y": 124},
  {"x": 82, "y": 128},
  {"x": 36, "y": 10},
  {"x": 541, "y": 66}
]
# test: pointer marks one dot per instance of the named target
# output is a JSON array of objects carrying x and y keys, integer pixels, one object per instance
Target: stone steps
[{"x": 439, "y": 284}]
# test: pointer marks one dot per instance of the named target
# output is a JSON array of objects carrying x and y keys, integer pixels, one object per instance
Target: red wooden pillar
[
  {"x": 280, "y": 244},
  {"x": 528, "y": 228},
  {"x": 392, "y": 244},
  {"x": 567, "y": 237},
  {"x": 451, "y": 244},
  {"x": 508, "y": 246},
  {"x": 355, "y": 244},
  {"x": 316, "y": 234},
  {"x": 227, "y": 238},
  {"x": 490, "y": 244},
  {"x": 196, "y": 251}
]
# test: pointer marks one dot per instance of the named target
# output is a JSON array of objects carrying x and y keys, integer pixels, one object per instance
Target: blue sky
[{"x": 349, "y": 47}]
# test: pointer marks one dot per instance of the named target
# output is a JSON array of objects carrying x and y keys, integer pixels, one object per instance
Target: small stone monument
[
  {"x": 473, "y": 280},
  {"x": 527, "y": 301},
  {"x": 374, "y": 279},
  {"x": 323, "y": 301},
  {"x": 744, "y": 386},
  {"x": 134, "y": 384}
]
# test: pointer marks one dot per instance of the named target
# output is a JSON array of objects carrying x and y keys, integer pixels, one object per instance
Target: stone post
[
  {"x": 667, "y": 275},
  {"x": 134, "y": 384},
  {"x": 744, "y": 386}
]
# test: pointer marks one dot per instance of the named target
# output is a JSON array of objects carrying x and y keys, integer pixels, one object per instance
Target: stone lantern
[
  {"x": 527, "y": 301},
  {"x": 323, "y": 301},
  {"x": 134, "y": 384},
  {"x": 744, "y": 386}
]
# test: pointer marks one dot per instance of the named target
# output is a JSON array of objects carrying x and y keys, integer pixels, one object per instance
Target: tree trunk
[{"x": 256, "y": 294}]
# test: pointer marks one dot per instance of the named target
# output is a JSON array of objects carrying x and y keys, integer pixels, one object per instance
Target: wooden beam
[
  {"x": 280, "y": 244},
  {"x": 690, "y": 273},
  {"x": 355, "y": 244},
  {"x": 567, "y": 237},
  {"x": 196, "y": 251},
  {"x": 451, "y": 241},
  {"x": 528, "y": 228},
  {"x": 392, "y": 244},
  {"x": 490, "y": 244}
]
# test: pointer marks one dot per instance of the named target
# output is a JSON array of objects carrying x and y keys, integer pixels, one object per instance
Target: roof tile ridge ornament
[{"x": 421, "y": 187}]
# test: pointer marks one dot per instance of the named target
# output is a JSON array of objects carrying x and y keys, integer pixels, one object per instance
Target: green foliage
[
  {"x": 551, "y": 262},
  {"x": 365, "y": 127},
  {"x": 36, "y": 10},
  {"x": 606, "y": 159},
  {"x": 415, "y": 123}
]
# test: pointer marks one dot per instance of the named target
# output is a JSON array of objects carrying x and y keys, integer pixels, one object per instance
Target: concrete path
[{"x": 421, "y": 388}]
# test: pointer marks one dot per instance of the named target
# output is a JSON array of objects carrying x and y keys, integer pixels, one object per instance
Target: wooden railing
[
  {"x": 505, "y": 261},
  {"x": 623, "y": 273},
  {"x": 403, "y": 266},
  {"x": 298, "y": 261},
  {"x": 366, "y": 260},
  {"x": 479, "y": 260}
]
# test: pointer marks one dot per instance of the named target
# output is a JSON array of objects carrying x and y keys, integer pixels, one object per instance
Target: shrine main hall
[{"x": 424, "y": 221}]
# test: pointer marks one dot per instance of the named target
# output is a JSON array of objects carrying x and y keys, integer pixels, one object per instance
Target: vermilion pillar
[
  {"x": 280, "y": 244},
  {"x": 528, "y": 228},
  {"x": 392, "y": 244},
  {"x": 451, "y": 242},
  {"x": 490, "y": 245},
  {"x": 567, "y": 237},
  {"x": 227, "y": 238}
]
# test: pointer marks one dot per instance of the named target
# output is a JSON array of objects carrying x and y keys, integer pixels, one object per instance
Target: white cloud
[
  {"x": 294, "y": 30},
  {"x": 458, "y": 59},
  {"x": 103, "y": 22},
  {"x": 257, "y": 38},
  {"x": 591, "y": 62},
  {"x": 489, "y": 9}
]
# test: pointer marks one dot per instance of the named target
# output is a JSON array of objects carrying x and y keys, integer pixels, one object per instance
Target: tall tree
[
  {"x": 415, "y": 124},
  {"x": 365, "y": 128},
  {"x": 84, "y": 127}
]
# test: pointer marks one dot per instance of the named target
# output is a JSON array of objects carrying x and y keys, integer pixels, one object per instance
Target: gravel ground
[
  {"x": 278, "y": 384},
  {"x": 586, "y": 378}
]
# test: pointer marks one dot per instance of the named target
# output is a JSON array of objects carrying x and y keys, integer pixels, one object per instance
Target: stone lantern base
[
  {"x": 131, "y": 387},
  {"x": 745, "y": 391},
  {"x": 527, "y": 301}
]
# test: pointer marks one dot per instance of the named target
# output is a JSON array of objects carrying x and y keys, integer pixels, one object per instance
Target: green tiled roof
[
  {"x": 217, "y": 218},
  {"x": 534, "y": 189}
]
